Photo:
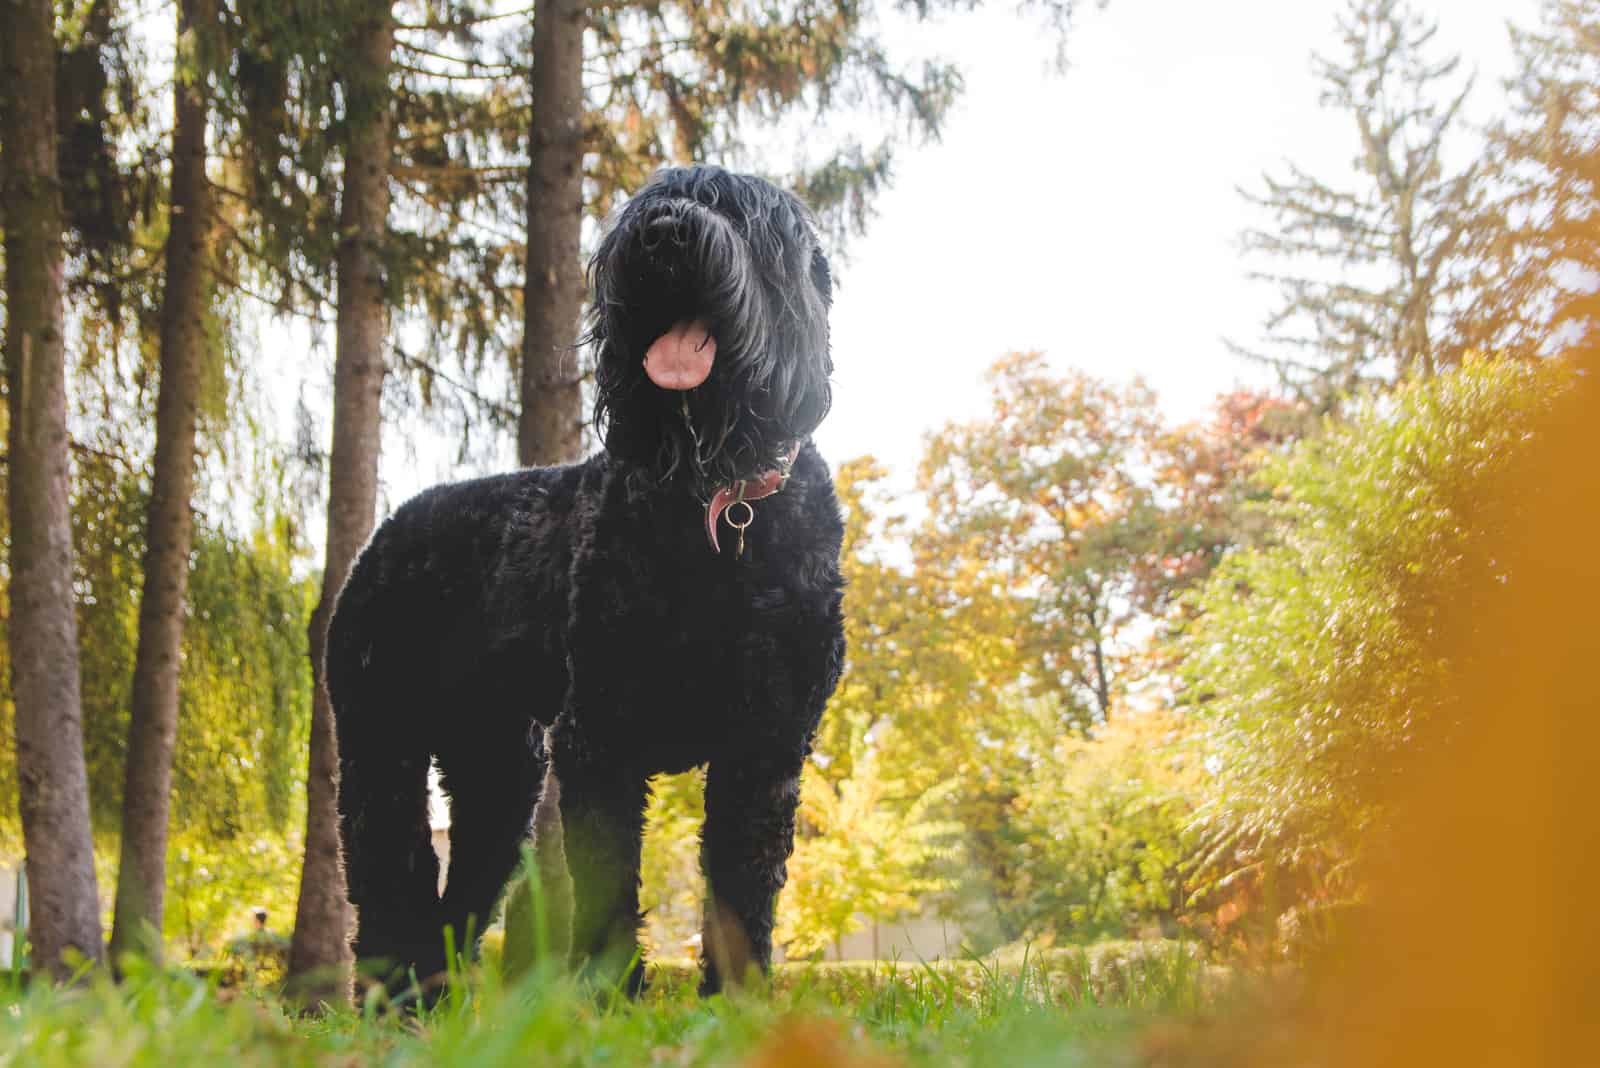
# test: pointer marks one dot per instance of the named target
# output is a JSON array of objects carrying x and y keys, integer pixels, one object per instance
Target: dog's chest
[
  {"x": 676, "y": 609},
  {"x": 688, "y": 647}
]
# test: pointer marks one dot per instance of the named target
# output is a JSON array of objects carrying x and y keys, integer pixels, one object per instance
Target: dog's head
[{"x": 710, "y": 326}]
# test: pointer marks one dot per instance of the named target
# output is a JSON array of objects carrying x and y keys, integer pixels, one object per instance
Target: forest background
[{"x": 1113, "y": 673}]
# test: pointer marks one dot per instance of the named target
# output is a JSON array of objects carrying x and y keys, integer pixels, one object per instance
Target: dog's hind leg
[
  {"x": 744, "y": 851},
  {"x": 390, "y": 866},
  {"x": 493, "y": 784}
]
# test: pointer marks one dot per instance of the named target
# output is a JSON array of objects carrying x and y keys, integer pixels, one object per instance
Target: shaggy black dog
[{"x": 672, "y": 601}]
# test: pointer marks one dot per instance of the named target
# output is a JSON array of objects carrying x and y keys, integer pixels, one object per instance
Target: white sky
[{"x": 1094, "y": 215}]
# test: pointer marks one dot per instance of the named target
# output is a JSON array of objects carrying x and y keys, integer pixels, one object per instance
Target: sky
[{"x": 1095, "y": 214}]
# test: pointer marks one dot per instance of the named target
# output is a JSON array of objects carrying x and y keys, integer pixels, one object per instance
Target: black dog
[{"x": 670, "y": 602}]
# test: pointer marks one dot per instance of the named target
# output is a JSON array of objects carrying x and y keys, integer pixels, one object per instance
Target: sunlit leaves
[
  {"x": 1051, "y": 504},
  {"x": 1103, "y": 844},
  {"x": 866, "y": 855},
  {"x": 238, "y": 777}
]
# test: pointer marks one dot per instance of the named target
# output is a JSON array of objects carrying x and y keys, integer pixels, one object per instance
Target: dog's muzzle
[{"x": 687, "y": 260}]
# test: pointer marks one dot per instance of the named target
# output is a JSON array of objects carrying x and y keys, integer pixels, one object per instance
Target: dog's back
[{"x": 457, "y": 575}]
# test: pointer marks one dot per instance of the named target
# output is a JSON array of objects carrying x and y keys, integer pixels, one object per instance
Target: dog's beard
[{"x": 707, "y": 437}]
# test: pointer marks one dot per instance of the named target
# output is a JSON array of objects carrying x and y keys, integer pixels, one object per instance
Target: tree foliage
[
  {"x": 929, "y": 669},
  {"x": 671, "y": 886},
  {"x": 1372, "y": 272},
  {"x": 1102, "y": 828},
  {"x": 1051, "y": 502},
  {"x": 244, "y": 702},
  {"x": 866, "y": 852},
  {"x": 938, "y": 694}
]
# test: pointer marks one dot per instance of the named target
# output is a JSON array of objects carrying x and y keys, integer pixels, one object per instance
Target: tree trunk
[
  {"x": 319, "y": 955},
  {"x": 52, "y": 786},
  {"x": 551, "y": 425},
  {"x": 153, "y": 725},
  {"x": 550, "y": 430},
  {"x": 1102, "y": 679}
]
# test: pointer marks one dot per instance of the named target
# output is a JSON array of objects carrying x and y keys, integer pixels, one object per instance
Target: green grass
[{"x": 1060, "y": 1008}]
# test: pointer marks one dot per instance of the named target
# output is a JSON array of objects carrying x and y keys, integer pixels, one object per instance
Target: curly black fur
[{"x": 586, "y": 598}]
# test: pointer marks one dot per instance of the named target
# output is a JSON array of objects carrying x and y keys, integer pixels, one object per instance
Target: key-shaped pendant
[{"x": 739, "y": 524}]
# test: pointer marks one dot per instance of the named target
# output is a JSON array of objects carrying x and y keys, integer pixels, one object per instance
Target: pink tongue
[{"x": 681, "y": 358}]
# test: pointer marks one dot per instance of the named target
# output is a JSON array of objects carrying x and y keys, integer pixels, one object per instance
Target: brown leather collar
[{"x": 743, "y": 492}]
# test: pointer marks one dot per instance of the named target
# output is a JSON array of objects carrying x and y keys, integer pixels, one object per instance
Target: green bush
[{"x": 1311, "y": 662}]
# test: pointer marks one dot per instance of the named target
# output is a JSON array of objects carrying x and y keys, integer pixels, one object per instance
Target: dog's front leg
[
  {"x": 744, "y": 851},
  {"x": 602, "y": 815}
]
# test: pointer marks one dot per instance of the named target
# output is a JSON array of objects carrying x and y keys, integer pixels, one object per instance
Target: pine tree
[
  {"x": 52, "y": 781},
  {"x": 1372, "y": 272},
  {"x": 1541, "y": 232}
]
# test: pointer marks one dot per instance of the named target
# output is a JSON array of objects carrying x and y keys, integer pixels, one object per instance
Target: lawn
[{"x": 1098, "y": 1006}]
